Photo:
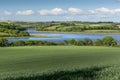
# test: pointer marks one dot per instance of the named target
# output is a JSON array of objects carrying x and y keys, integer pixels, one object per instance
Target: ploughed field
[{"x": 59, "y": 63}]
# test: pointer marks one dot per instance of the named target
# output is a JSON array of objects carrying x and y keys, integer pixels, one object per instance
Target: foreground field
[{"x": 77, "y": 63}]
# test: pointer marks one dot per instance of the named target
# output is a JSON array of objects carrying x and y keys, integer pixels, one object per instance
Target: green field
[{"x": 23, "y": 63}]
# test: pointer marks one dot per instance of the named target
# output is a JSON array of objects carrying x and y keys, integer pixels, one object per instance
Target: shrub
[
  {"x": 109, "y": 41},
  {"x": 3, "y": 42},
  {"x": 98, "y": 42},
  {"x": 18, "y": 43}
]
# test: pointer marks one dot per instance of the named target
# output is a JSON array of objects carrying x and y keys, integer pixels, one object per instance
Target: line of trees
[
  {"x": 32, "y": 43},
  {"x": 4, "y": 43},
  {"x": 106, "y": 41}
]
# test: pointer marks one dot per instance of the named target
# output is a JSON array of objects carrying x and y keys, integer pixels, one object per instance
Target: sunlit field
[{"x": 59, "y": 63}]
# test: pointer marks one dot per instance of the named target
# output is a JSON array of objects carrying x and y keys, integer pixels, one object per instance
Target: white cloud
[
  {"x": 71, "y": 12},
  {"x": 91, "y": 12},
  {"x": 55, "y": 11},
  {"x": 117, "y": 10},
  {"x": 107, "y": 11},
  {"x": 103, "y": 10},
  {"x": 78, "y": 11},
  {"x": 74, "y": 10},
  {"x": 43, "y": 12},
  {"x": 7, "y": 13},
  {"x": 25, "y": 12}
]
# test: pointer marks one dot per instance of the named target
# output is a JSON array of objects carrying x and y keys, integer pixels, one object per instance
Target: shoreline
[
  {"x": 77, "y": 32},
  {"x": 34, "y": 36}
]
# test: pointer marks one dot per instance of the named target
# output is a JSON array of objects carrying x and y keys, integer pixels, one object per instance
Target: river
[{"x": 57, "y": 37}]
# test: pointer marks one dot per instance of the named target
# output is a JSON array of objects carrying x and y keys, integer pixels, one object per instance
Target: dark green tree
[
  {"x": 88, "y": 42},
  {"x": 72, "y": 41},
  {"x": 3, "y": 42},
  {"x": 80, "y": 43},
  {"x": 109, "y": 41},
  {"x": 18, "y": 43},
  {"x": 98, "y": 42}
]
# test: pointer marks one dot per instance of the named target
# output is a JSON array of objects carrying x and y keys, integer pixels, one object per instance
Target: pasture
[{"x": 23, "y": 63}]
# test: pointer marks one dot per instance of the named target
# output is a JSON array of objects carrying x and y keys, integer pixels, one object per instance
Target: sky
[{"x": 60, "y": 10}]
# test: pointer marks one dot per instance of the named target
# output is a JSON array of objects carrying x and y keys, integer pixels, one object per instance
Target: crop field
[
  {"x": 102, "y": 24},
  {"x": 59, "y": 63}
]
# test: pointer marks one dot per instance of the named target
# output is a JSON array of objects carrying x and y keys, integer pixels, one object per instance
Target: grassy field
[
  {"x": 76, "y": 63},
  {"x": 88, "y": 32},
  {"x": 102, "y": 31}
]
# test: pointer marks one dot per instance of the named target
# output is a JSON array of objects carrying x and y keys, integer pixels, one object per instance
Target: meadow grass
[
  {"x": 59, "y": 63},
  {"x": 102, "y": 31}
]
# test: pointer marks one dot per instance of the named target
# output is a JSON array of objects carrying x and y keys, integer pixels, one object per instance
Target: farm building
[{"x": 117, "y": 26}]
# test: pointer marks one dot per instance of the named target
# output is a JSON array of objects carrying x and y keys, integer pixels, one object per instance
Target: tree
[
  {"x": 80, "y": 43},
  {"x": 72, "y": 41},
  {"x": 3, "y": 42},
  {"x": 30, "y": 42},
  {"x": 88, "y": 42},
  {"x": 98, "y": 42},
  {"x": 23, "y": 34},
  {"x": 18, "y": 43},
  {"x": 67, "y": 24},
  {"x": 66, "y": 42},
  {"x": 114, "y": 43},
  {"x": 109, "y": 41}
]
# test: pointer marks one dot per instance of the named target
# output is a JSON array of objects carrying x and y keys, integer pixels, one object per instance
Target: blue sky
[{"x": 60, "y": 10}]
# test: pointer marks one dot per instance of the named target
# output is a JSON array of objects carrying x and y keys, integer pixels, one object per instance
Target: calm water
[{"x": 62, "y": 36}]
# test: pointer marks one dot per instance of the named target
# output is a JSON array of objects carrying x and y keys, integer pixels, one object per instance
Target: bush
[
  {"x": 88, "y": 42},
  {"x": 18, "y": 43},
  {"x": 3, "y": 42},
  {"x": 109, "y": 41},
  {"x": 80, "y": 43},
  {"x": 98, "y": 42},
  {"x": 23, "y": 34}
]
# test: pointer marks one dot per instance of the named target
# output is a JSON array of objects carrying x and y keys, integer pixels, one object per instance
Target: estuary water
[{"x": 59, "y": 37}]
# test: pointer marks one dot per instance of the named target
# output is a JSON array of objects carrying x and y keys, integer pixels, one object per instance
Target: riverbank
[
  {"x": 34, "y": 36},
  {"x": 87, "y": 32},
  {"x": 42, "y": 36}
]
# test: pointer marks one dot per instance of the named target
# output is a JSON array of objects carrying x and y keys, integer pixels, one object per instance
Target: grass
[
  {"x": 33, "y": 35},
  {"x": 42, "y": 36},
  {"x": 84, "y": 74},
  {"x": 102, "y": 31},
  {"x": 88, "y": 32},
  {"x": 59, "y": 63},
  {"x": 3, "y": 34},
  {"x": 100, "y": 24}
]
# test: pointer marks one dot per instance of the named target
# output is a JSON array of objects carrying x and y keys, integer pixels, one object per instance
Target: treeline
[
  {"x": 32, "y": 43},
  {"x": 12, "y": 30},
  {"x": 4, "y": 43},
  {"x": 11, "y": 26},
  {"x": 106, "y": 41}
]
